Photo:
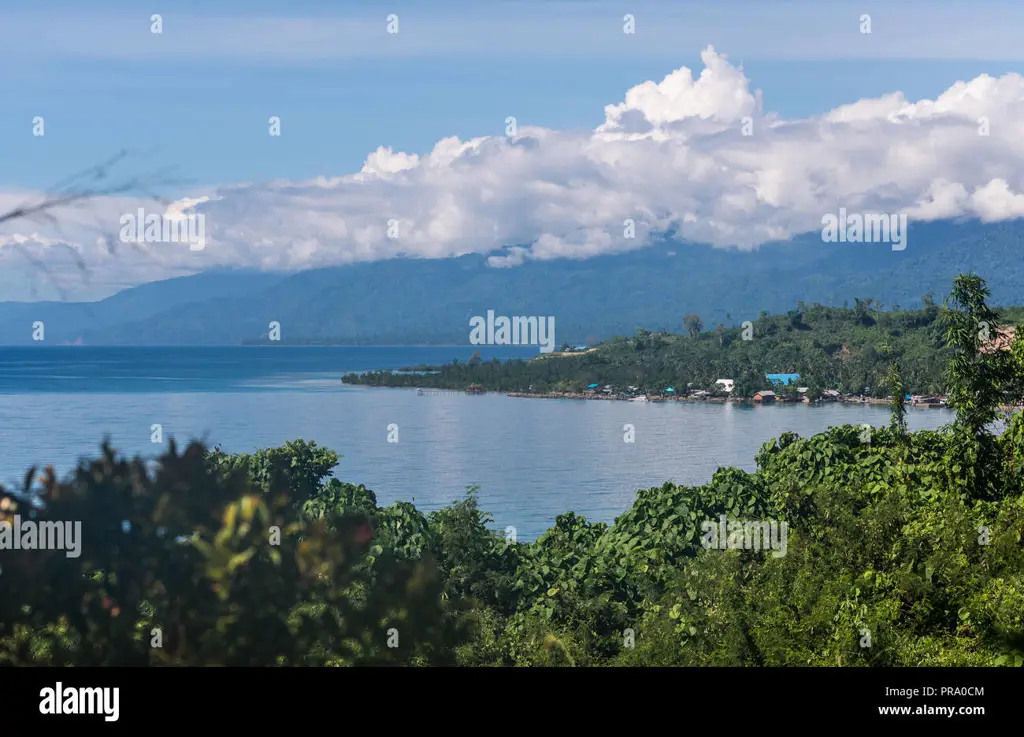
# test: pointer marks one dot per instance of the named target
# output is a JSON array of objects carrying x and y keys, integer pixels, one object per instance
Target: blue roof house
[
  {"x": 593, "y": 386},
  {"x": 784, "y": 379}
]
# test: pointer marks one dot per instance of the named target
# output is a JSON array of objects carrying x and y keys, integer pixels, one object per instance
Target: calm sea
[{"x": 532, "y": 458}]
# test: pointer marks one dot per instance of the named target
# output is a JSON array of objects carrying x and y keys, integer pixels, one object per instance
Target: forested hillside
[{"x": 829, "y": 347}]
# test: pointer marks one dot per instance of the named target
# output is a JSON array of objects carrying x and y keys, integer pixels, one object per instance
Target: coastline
[
  {"x": 694, "y": 400},
  {"x": 728, "y": 400},
  {"x": 608, "y": 397},
  {"x": 710, "y": 400}
]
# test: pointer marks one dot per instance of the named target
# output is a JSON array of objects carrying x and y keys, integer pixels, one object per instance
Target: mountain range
[{"x": 420, "y": 301}]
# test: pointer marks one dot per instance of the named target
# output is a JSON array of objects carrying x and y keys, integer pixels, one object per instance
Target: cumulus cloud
[{"x": 696, "y": 157}]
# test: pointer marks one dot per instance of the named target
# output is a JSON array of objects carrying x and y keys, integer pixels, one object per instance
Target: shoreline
[
  {"x": 694, "y": 400},
  {"x": 728, "y": 400}
]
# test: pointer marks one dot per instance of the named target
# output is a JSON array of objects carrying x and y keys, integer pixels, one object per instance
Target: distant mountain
[
  {"x": 404, "y": 301},
  {"x": 77, "y": 321}
]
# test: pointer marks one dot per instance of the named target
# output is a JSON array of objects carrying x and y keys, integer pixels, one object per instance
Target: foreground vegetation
[
  {"x": 903, "y": 549},
  {"x": 830, "y": 347}
]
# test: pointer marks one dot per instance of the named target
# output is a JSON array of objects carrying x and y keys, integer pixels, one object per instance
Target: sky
[{"x": 731, "y": 122}]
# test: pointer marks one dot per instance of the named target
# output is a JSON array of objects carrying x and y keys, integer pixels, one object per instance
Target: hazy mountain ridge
[{"x": 431, "y": 301}]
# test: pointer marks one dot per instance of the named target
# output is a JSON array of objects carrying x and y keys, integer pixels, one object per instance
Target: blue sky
[
  {"x": 102, "y": 82},
  {"x": 195, "y": 100}
]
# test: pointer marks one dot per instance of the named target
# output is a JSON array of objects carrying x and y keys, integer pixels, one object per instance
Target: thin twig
[{"x": 76, "y": 190}]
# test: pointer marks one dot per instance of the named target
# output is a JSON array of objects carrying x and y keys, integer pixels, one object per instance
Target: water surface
[{"x": 532, "y": 458}]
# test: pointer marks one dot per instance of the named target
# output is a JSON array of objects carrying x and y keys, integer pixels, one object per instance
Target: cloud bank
[{"x": 693, "y": 155}]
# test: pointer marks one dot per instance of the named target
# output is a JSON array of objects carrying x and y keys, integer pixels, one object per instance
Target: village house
[
  {"x": 765, "y": 397},
  {"x": 726, "y": 384},
  {"x": 830, "y": 395}
]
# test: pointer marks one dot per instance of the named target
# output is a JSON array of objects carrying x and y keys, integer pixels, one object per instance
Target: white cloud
[
  {"x": 183, "y": 208},
  {"x": 35, "y": 240},
  {"x": 671, "y": 156},
  {"x": 995, "y": 202}
]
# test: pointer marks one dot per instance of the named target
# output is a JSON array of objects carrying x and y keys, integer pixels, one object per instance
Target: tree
[
  {"x": 931, "y": 309},
  {"x": 642, "y": 340},
  {"x": 693, "y": 324},
  {"x": 298, "y": 465},
  {"x": 749, "y": 383},
  {"x": 862, "y": 309},
  {"x": 898, "y": 421},
  {"x": 976, "y": 378}
]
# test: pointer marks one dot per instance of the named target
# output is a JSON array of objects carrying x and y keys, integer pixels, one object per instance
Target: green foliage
[
  {"x": 215, "y": 568},
  {"x": 898, "y": 401},
  {"x": 829, "y": 347},
  {"x": 298, "y": 465},
  {"x": 476, "y": 562},
  {"x": 978, "y": 380},
  {"x": 693, "y": 324}
]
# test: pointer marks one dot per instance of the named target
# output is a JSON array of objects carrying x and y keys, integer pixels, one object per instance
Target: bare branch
[{"x": 78, "y": 189}]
